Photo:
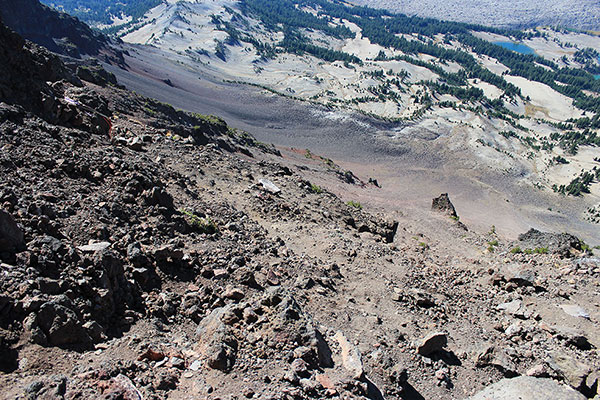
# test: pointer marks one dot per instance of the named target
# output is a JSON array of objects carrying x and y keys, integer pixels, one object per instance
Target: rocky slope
[
  {"x": 151, "y": 253},
  {"x": 461, "y": 113},
  {"x": 54, "y": 30}
]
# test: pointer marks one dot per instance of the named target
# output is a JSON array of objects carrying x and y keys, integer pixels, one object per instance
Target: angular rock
[
  {"x": 233, "y": 293},
  {"x": 573, "y": 371},
  {"x": 94, "y": 247},
  {"x": 489, "y": 355},
  {"x": 351, "y": 359},
  {"x": 514, "y": 308},
  {"x": 444, "y": 205},
  {"x": 525, "y": 277},
  {"x": 215, "y": 341},
  {"x": 562, "y": 244},
  {"x": 538, "y": 371},
  {"x": 527, "y": 388},
  {"x": 11, "y": 236},
  {"x": 159, "y": 197},
  {"x": 61, "y": 324},
  {"x": 431, "y": 343},
  {"x": 121, "y": 387},
  {"x": 135, "y": 144},
  {"x": 269, "y": 186},
  {"x": 422, "y": 298},
  {"x": 575, "y": 311}
]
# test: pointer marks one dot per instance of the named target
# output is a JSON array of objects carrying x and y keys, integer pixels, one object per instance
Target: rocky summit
[{"x": 151, "y": 253}]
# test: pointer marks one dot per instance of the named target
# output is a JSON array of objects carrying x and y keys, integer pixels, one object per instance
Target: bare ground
[{"x": 484, "y": 196}]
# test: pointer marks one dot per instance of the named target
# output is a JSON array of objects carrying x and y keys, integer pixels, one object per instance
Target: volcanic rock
[{"x": 444, "y": 205}]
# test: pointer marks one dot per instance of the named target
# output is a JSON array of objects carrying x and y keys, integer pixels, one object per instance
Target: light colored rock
[
  {"x": 575, "y": 310},
  {"x": 510, "y": 307},
  {"x": 538, "y": 371},
  {"x": 573, "y": 371},
  {"x": 93, "y": 247},
  {"x": 135, "y": 144},
  {"x": 196, "y": 365},
  {"x": 527, "y": 388},
  {"x": 351, "y": 359},
  {"x": 432, "y": 343},
  {"x": 125, "y": 387},
  {"x": 269, "y": 186},
  {"x": 488, "y": 355}
]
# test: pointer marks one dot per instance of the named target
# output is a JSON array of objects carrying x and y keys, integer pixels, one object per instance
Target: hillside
[
  {"x": 579, "y": 14},
  {"x": 59, "y": 32},
  {"x": 531, "y": 117},
  {"x": 104, "y": 14},
  {"x": 150, "y": 253}
]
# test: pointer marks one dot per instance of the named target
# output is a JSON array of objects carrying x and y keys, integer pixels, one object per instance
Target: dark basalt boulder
[
  {"x": 11, "y": 236},
  {"x": 563, "y": 244},
  {"x": 444, "y": 205}
]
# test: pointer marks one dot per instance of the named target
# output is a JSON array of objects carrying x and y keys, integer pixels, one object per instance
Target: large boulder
[
  {"x": 215, "y": 339},
  {"x": 444, "y": 205},
  {"x": 60, "y": 325},
  {"x": 562, "y": 244},
  {"x": 11, "y": 236},
  {"x": 527, "y": 388},
  {"x": 432, "y": 343}
]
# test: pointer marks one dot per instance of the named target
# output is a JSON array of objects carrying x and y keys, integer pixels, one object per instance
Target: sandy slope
[{"x": 411, "y": 167}]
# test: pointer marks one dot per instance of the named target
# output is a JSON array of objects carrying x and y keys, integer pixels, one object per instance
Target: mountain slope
[
  {"x": 56, "y": 31},
  {"x": 168, "y": 255},
  {"x": 104, "y": 13},
  {"x": 519, "y": 115}
]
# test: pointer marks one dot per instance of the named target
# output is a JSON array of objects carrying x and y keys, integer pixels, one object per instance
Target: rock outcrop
[
  {"x": 58, "y": 32},
  {"x": 563, "y": 244},
  {"x": 444, "y": 205}
]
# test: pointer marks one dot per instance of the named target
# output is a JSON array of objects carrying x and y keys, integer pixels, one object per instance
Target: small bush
[
  {"x": 537, "y": 250},
  {"x": 202, "y": 224},
  {"x": 355, "y": 204},
  {"x": 316, "y": 188},
  {"x": 516, "y": 250}
]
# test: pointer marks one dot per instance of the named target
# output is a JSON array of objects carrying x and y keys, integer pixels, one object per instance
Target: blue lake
[{"x": 518, "y": 47}]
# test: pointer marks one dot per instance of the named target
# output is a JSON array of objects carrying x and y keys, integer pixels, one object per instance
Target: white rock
[
  {"x": 93, "y": 247},
  {"x": 527, "y": 388},
  {"x": 269, "y": 186}
]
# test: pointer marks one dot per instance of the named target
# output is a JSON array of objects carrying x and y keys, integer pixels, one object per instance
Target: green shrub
[
  {"x": 202, "y": 224},
  {"x": 355, "y": 204},
  {"x": 316, "y": 188},
  {"x": 516, "y": 250}
]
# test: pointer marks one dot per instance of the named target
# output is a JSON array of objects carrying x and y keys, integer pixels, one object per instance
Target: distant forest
[
  {"x": 383, "y": 28},
  {"x": 102, "y": 11}
]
